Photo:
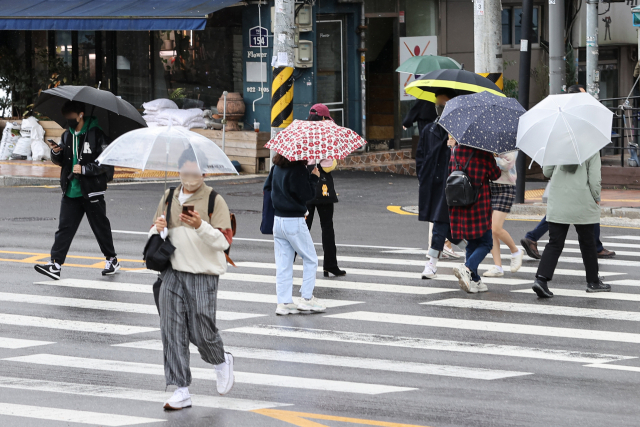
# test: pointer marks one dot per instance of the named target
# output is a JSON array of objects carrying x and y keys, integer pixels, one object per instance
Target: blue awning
[{"x": 108, "y": 15}]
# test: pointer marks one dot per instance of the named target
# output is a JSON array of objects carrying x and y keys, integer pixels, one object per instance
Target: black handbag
[
  {"x": 157, "y": 252},
  {"x": 459, "y": 191}
]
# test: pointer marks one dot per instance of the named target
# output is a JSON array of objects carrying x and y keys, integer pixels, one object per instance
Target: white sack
[
  {"x": 23, "y": 148},
  {"x": 159, "y": 104}
]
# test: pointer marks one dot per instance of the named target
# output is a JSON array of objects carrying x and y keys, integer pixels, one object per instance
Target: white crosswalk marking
[
  {"x": 617, "y": 367},
  {"x": 72, "y": 416},
  {"x": 107, "y": 305},
  {"x": 606, "y": 244},
  {"x": 209, "y": 374},
  {"x": 72, "y": 325},
  {"x": 15, "y": 343},
  {"x": 477, "y": 325},
  {"x": 427, "y": 344},
  {"x": 624, "y": 237},
  {"x": 154, "y": 396},
  {"x": 582, "y": 294},
  {"x": 624, "y": 282},
  {"x": 348, "y": 362},
  {"x": 553, "y": 310}
]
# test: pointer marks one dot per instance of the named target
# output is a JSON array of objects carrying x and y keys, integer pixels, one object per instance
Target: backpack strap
[{"x": 468, "y": 161}]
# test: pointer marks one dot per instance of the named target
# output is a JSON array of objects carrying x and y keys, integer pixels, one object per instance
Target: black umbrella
[
  {"x": 460, "y": 81},
  {"x": 115, "y": 115}
]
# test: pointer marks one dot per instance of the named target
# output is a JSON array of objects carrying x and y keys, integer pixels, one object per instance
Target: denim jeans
[
  {"x": 441, "y": 232},
  {"x": 477, "y": 250},
  {"x": 291, "y": 235},
  {"x": 543, "y": 226}
]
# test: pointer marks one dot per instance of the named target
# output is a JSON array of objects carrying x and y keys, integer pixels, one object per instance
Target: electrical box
[
  {"x": 303, "y": 54},
  {"x": 304, "y": 19}
]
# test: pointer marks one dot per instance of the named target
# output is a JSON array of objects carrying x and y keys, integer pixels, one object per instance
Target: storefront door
[{"x": 330, "y": 43}]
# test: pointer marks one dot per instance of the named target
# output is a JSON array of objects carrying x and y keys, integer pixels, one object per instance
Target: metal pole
[
  {"x": 363, "y": 76},
  {"x": 524, "y": 79},
  {"x": 593, "y": 75},
  {"x": 224, "y": 118},
  {"x": 487, "y": 39},
  {"x": 282, "y": 63},
  {"x": 557, "y": 67}
]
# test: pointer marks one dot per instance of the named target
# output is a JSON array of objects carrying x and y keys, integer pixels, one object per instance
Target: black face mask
[{"x": 73, "y": 123}]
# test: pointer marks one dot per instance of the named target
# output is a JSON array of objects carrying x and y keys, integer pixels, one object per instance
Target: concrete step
[{"x": 398, "y": 162}]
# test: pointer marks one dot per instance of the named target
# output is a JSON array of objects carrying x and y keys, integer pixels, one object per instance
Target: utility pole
[
  {"x": 282, "y": 63},
  {"x": 524, "y": 79},
  {"x": 593, "y": 75},
  {"x": 557, "y": 60},
  {"x": 487, "y": 40}
]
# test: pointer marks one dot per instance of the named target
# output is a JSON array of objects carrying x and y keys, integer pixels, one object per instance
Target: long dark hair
[{"x": 283, "y": 162}]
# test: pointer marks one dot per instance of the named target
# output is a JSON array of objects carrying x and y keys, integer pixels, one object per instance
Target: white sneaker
[
  {"x": 311, "y": 304},
  {"x": 516, "y": 261},
  {"x": 450, "y": 253},
  {"x": 180, "y": 399},
  {"x": 284, "y": 309},
  {"x": 493, "y": 272},
  {"x": 464, "y": 278},
  {"x": 480, "y": 286},
  {"x": 224, "y": 375},
  {"x": 429, "y": 271}
]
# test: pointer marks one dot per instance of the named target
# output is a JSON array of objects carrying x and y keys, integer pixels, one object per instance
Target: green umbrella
[{"x": 427, "y": 63}]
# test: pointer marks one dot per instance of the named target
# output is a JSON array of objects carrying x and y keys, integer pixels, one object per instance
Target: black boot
[
  {"x": 541, "y": 289},
  {"x": 335, "y": 271},
  {"x": 598, "y": 287}
]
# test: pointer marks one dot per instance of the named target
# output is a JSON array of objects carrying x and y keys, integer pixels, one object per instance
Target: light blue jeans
[{"x": 291, "y": 235}]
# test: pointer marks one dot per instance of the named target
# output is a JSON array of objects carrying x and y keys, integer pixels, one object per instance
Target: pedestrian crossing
[{"x": 386, "y": 332}]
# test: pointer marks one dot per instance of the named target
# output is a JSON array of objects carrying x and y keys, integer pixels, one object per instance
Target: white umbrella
[
  {"x": 160, "y": 148},
  {"x": 564, "y": 129}
]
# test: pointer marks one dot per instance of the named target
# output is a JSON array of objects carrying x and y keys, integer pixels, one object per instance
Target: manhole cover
[{"x": 28, "y": 218}]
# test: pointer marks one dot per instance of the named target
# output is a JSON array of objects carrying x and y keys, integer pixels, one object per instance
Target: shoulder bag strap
[
  {"x": 468, "y": 161},
  {"x": 212, "y": 202},
  {"x": 168, "y": 202}
]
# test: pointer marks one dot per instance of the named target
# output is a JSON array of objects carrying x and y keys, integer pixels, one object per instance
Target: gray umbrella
[{"x": 115, "y": 115}]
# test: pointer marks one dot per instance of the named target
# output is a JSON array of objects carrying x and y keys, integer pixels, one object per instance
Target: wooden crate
[{"x": 247, "y": 147}]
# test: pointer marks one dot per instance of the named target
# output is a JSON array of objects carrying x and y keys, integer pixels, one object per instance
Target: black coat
[
  {"x": 94, "y": 178},
  {"x": 325, "y": 192},
  {"x": 423, "y": 112},
  {"x": 432, "y": 167}
]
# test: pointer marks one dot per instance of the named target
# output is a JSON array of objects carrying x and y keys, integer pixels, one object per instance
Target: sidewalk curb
[
  {"x": 26, "y": 181},
  {"x": 541, "y": 209}
]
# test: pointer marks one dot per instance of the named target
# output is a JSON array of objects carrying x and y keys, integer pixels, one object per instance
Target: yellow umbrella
[{"x": 460, "y": 81}]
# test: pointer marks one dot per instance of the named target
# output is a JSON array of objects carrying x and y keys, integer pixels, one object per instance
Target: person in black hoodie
[
  {"x": 83, "y": 183},
  {"x": 292, "y": 186}
]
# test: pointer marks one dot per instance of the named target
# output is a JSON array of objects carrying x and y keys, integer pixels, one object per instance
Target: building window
[{"x": 512, "y": 25}]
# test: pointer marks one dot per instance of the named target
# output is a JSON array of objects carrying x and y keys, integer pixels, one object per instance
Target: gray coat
[{"x": 574, "y": 191}]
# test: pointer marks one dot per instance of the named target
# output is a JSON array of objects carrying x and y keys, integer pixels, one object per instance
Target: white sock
[
  {"x": 433, "y": 261},
  {"x": 184, "y": 390},
  {"x": 499, "y": 268},
  {"x": 516, "y": 254}
]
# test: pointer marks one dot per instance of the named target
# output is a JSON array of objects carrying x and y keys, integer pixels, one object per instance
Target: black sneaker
[
  {"x": 51, "y": 269},
  {"x": 111, "y": 267},
  {"x": 541, "y": 289},
  {"x": 598, "y": 287}
]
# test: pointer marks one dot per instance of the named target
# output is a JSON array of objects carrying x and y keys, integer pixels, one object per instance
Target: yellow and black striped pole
[
  {"x": 282, "y": 97},
  {"x": 496, "y": 78}
]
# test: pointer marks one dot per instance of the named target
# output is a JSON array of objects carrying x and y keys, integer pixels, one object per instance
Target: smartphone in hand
[
  {"x": 187, "y": 209},
  {"x": 52, "y": 144}
]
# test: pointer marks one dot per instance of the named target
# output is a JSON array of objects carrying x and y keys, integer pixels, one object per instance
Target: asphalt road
[{"x": 390, "y": 350}]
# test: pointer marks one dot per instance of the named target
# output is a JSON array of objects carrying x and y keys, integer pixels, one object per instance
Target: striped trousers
[{"x": 188, "y": 313}]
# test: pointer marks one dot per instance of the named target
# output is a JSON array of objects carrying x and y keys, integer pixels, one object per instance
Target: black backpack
[{"x": 458, "y": 190}]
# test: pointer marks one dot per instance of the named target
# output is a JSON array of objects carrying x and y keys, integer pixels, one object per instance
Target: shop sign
[
  {"x": 258, "y": 37},
  {"x": 414, "y": 46}
]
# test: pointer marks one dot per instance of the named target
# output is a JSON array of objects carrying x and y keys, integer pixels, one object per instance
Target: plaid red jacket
[{"x": 471, "y": 222}]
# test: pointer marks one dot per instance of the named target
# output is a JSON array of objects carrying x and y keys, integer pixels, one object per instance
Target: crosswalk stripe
[
  {"x": 108, "y": 305},
  {"x": 616, "y": 367},
  {"x": 209, "y": 374},
  {"x": 538, "y": 309},
  {"x": 72, "y": 325},
  {"x": 625, "y": 282},
  {"x": 578, "y": 259},
  {"x": 132, "y": 394},
  {"x": 624, "y": 237},
  {"x": 477, "y": 325},
  {"x": 72, "y": 416},
  {"x": 15, "y": 343},
  {"x": 607, "y": 244},
  {"x": 348, "y": 362},
  {"x": 395, "y": 274},
  {"x": 146, "y": 289},
  {"x": 450, "y": 264},
  {"x": 582, "y": 294},
  {"x": 427, "y": 344}
]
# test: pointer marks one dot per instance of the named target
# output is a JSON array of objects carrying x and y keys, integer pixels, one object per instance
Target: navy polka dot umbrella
[{"x": 484, "y": 121}]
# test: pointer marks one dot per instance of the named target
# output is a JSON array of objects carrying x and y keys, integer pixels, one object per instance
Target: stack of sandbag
[
  {"x": 10, "y": 136},
  {"x": 31, "y": 143},
  {"x": 153, "y": 108},
  {"x": 191, "y": 118}
]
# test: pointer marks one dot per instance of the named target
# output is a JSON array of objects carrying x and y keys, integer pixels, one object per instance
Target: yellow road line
[
  {"x": 68, "y": 256},
  {"x": 398, "y": 210},
  {"x": 299, "y": 419}
]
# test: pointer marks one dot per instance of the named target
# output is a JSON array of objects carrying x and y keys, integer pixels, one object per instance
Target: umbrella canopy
[
  {"x": 564, "y": 129},
  {"x": 160, "y": 148},
  {"x": 483, "y": 120},
  {"x": 309, "y": 140},
  {"x": 461, "y": 81},
  {"x": 115, "y": 115},
  {"x": 426, "y": 64}
]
